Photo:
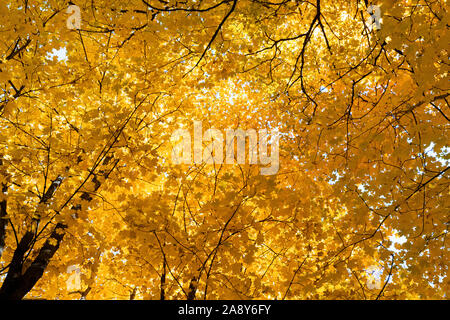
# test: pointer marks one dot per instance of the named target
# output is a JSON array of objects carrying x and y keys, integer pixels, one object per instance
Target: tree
[{"x": 86, "y": 118}]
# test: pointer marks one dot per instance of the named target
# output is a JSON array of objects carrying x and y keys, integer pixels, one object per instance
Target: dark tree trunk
[{"x": 18, "y": 284}]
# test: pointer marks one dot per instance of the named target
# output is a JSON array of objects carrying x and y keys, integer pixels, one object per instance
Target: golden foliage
[{"x": 87, "y": 180}]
